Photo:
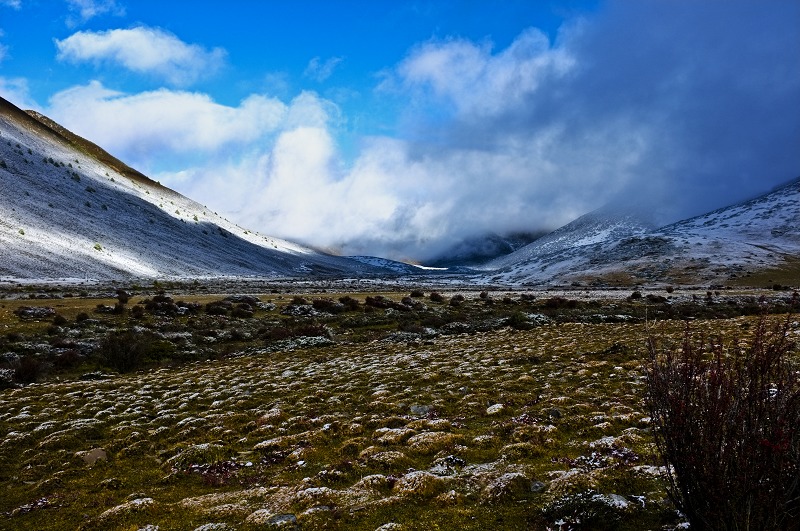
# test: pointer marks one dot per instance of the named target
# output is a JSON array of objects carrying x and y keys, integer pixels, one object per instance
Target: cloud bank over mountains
[{"x": 676, "y": 106}]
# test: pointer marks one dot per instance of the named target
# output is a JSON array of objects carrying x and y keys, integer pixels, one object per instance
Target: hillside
[
  {"x": 600, "y": 248},
  {"x": 70, "y": 210}
]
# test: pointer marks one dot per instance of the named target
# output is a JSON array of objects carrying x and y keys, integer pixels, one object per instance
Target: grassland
[{"x": 341, "y": 411}]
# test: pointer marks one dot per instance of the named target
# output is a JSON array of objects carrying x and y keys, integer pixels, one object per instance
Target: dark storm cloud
[{"x": 690, "y": 105}]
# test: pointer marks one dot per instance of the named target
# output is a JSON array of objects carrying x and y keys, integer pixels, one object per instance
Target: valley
[{"x": 307, "y": 407}]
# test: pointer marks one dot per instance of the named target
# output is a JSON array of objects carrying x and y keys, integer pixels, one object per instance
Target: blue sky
[{"x": 397, "y": 128}]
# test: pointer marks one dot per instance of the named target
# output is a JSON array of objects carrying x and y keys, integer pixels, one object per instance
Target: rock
[
  {"x": 392, "y": 435},
  {"x": 389, "y": 459},
  {"x": 420, "y": 410},
  {"x": 283, "y": 521},
  {"x": 430, "y": 442},
  {"x": 316, "y": 496},
  {"x": 213, "y": 527},
  {"x": 372, "y": 486},
  {"x": 419, "y": 484},
  {"x": 555, "y": 413},
  {"x": 391, "y": 526},
  {"x": 111, "y": 484},
  {"x": 447, "y": 466},
  {"x": 93, "y": 456},
  {"x": 494, "y": 409},
  {"x": 205, "y": 453},
  {"x": 260, "y": 517},
  {"x": 138, "y": 505},
  {"x": 520, "y": 450},
  {"x": 509, "y": 486}
]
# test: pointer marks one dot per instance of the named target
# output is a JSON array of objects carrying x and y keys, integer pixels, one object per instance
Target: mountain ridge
[
  {"x": 69, "y": 209},
  {"x": 725, "y": 243}
]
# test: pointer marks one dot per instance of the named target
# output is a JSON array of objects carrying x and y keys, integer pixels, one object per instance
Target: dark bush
[
  {"x": 243, "y": 311},
  {"x": 297, "y": 300},
  {"x": 436, "y": 296},
  {"x": 292, "y": 330},
  {"x": 328, "y": 306},
  {"x": 161, "y": 305},
  {"x": 560, "y": 302},
  {"x": 350, "y": 304},
  {"x": 83, "y": 316},
  {"x": 417, "y": 293},
  {"x": 218, "y": 307},
  {"x": 519, "y": 321},
  {"x": 726, "y": 424},
  {"x": 188, "y": 308},
  {"x": 60, "y": 320},
  {"x": 67, "y": 359},
  {"x": 124, "y": 351},
  {"x": 29, "y": 369},
  {"x": 378, "y": 301}
]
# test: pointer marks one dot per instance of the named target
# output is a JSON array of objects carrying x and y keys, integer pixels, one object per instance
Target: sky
[{"x": 397, "y": 128}]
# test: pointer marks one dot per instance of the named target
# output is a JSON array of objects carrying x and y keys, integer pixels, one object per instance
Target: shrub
[
  {"x": 292, "y": 330},
  {"x": 328, "y": 306},
  {"x": 436, "y": 297},
  {"x": 726, "y": 424},
  {"x": 29, "y": 369},
  {"x": 124, "y": 351},
  {"x": 350, "y": 304}
]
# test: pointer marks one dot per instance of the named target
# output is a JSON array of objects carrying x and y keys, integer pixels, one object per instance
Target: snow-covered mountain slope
[
  {"x": 604, "y": 224},
  {"x": 714, "y": 247},
  {"x": 68, "y": 210}
]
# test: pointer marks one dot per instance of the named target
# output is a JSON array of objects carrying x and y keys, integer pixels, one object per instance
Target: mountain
[
  {"x": 70, "y": 210},
  {"x": 608, "y": 247},
  {"x": 476, "y": 250}
]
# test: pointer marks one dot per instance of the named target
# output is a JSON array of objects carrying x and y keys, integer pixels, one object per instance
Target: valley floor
[{"x": 534, "y": 422}]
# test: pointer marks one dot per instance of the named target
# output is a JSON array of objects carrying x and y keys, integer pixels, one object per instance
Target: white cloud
[
  {"x": 150, "y": 125},
  {"x": 477, "y": 81},
  {"x": 14, "y": 4},
  {"x": 88, "y": 9},
  {"x": 143, "y": 50},
  {"x": 17, "y": 92},
  {"x": 320, "y": 70}
]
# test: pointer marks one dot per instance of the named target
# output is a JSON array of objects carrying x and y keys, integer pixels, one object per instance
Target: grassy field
[{"x": 340, "y": 411}]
